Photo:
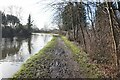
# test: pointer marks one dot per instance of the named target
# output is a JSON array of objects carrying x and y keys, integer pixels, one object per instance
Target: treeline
[
  {"x": 96, "y": 27},
  {"x": 11, "y": 26}
]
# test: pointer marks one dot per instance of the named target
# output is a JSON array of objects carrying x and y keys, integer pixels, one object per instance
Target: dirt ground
[{"x": 63, "y": 64}]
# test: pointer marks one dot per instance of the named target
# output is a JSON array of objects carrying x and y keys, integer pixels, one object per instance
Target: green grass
[
  {"x": 31, "y": 63},
  {"x": 90, "y": 70}
]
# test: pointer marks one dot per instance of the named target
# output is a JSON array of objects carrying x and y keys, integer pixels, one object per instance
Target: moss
[
  {"x": 25, "y": 70},
  {"x": 90, "y": 70}
]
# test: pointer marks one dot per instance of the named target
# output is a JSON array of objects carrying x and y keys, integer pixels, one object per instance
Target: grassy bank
[
  {"x": 38, "y": 63},
  {"x": 90, "y": 70},
  {"x": 33, "y": 61}
]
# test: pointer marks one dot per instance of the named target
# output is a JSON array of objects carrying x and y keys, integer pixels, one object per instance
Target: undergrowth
[{"x": 90, "y": 70}]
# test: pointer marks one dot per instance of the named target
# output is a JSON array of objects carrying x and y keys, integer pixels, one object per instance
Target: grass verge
[
  {"x": 31, "y": 63},
  {"x": 90, "y": 70}
]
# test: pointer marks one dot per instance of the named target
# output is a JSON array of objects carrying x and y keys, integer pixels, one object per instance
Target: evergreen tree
[{"x": 29, "y": 24}]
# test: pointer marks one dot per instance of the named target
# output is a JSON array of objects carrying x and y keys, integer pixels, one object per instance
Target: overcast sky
[{"x": 33, "y": 7}]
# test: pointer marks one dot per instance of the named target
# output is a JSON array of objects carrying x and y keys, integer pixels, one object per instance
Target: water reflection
[
  {"x": 45, "y": 38},
  {"x": 10, "y": 48},
  {"x": 17, "y": 50},
  {"x": 29, "y": 45}
]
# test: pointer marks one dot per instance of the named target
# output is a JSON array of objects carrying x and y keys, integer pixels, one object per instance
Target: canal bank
[
  {"x": 15, "y": 52},
  {"x": 58, "y": 59},
  {"x": 36, "y": 63}
]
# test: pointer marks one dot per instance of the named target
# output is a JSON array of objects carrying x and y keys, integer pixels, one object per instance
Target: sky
[{"x": 39, "y": 13}]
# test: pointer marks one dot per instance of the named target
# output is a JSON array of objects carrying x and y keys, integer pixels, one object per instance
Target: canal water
[{"x": 16, "y": 51}]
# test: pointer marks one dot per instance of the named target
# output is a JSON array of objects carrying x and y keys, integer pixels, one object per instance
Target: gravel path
[{"x": 63, "y": 64}]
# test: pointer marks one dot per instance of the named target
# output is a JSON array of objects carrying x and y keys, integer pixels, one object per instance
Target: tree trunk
[{"x": 115, "y": 62}]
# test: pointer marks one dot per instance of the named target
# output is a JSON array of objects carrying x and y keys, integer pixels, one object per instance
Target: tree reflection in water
[
  {"x": 10, "y": 47},
  {"x": 19, "y": 49},
  {"x": 29, "y": 45}
]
